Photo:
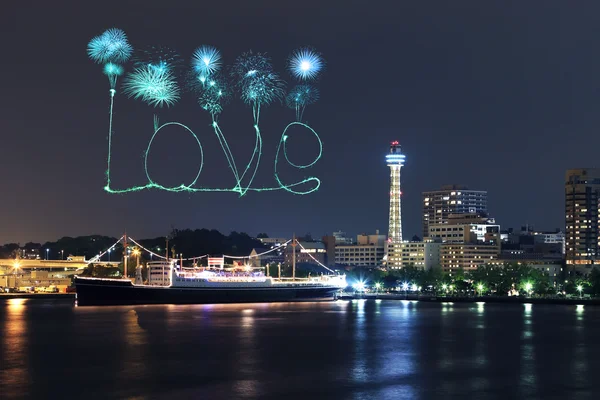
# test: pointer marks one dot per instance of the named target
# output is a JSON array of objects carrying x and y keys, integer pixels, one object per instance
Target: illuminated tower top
[
  {"x": 395, "y": 160},
  {"x": 395, "y": 156}
]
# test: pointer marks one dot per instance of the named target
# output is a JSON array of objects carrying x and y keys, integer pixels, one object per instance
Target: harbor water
[{"x": 359, "y": 349}]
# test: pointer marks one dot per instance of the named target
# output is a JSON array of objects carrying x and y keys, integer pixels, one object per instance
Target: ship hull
[{"x": 112, "y": 292}]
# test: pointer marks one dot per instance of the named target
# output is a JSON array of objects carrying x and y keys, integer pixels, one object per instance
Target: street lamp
[
  {"x": 445, "y": 287},
  {"x": 377, "y": 286},
  {"x": 136, "y": 253},
  {"x": 47, "y": 251},
  {"x": 480, "y": 288},
  {"x": 528, "y": 287},
  {"x": 62, "y": 253},
  {"x": 109, "y": 250},
  {"x": 405, "y": 288},
  {"x": 579, "y": 289}
]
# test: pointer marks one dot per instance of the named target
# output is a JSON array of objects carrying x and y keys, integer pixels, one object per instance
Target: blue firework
[
  {"x": 251, "y": 64},
  {"x": 112, "y": 46},
  {"x": 257, "y": 81},
  {"x": 301, "y": 96},
  {"x": 263, "y": 88},
  {"x": 213, "y": 94},
  {"x": 206, "y": 61},
  {"x": 112, "y": 71},
  {"x": 158, "y": 57},
  {"x": 155, "y": 86},
  {"x": 305, "y": 64}
]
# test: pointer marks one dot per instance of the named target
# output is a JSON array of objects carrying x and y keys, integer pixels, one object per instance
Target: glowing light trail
[{"x": 153, "y": 81}]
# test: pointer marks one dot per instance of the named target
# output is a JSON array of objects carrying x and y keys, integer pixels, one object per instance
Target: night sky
[{"x": 495, "y": 95}]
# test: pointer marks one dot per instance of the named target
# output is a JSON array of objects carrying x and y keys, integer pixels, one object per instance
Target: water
[{"x": 330, "y": 350}]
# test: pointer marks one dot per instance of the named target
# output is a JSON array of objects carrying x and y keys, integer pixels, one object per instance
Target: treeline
[
  {"x": 489, "y": 279},
  {"x": 181, "y": 241}
]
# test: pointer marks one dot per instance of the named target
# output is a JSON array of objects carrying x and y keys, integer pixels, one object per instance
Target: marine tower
[{"x": 395, "y": 160}]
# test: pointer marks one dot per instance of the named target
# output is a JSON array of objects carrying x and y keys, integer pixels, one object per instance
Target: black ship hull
[{"x": 96, "y": 292}]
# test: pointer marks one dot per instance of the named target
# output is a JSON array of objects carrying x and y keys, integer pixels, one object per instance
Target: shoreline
[
  {"x": 485, "y": 299},
  {"x": 61, "y": 296},
  {"x": 396, "y": 297}
]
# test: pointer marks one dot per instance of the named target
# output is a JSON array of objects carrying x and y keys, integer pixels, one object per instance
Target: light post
[
  {"x": 62, "y": 253},
  {"x": 405, "y": 288},
  {"x": 480, "y": 288},
  {"x": 109, "y": 250},
  {"x": 445, "y": 288},
  {"x": 136, "y": 253},
  {"x": 47, "y": 254},
  {"x": 579, "y": 289},
  {"x": 279, "y": 270},
  {"x": 377, "y": 287},
  {"x": 528, "y": 287}
]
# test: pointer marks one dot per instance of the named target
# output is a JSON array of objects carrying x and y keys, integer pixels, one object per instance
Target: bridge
[{"x": 72, "y": 264}]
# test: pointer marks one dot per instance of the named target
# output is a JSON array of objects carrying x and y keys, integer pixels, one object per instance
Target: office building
[
  {"x": 467, "y": 256},
  {"x": 582, "y": 196},
  {"x": 422, "y": 254},
  {"x": 465, "y": 233},
  {"x": 438, "y": 205},
  {"x": 368, "y": 252}
]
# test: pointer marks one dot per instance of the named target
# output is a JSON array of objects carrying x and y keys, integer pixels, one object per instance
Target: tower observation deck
[{"x": 395, "y": 160}]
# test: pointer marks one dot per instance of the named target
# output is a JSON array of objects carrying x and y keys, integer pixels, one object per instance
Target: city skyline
[{"x": 469, "y": 104}]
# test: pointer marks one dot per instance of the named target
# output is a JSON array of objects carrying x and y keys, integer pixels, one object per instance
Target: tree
[
  {"x": 262, "y": 236},
  {"x": 594, "y": 280}
]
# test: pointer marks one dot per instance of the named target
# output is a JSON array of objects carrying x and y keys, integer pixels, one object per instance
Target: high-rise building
[
  {"x": 453, "y": 199},
  {"x": 395, "y": 160},
  {"x": 582, "y": 196}
]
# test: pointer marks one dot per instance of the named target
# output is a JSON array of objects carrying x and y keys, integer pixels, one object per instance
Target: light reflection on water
[
  {"x": 360, "y": 349},
  {"x": 528, "y": 382},
  {"x": 14, "y": 369}
]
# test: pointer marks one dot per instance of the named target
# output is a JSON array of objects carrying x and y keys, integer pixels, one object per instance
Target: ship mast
[
  {"x": 125, "y": 255},
  {"x": 294, "y": 257},
  {"x": 167, "y": 249}
]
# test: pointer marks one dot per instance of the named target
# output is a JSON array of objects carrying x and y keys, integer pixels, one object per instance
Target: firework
[
  {"x": 251, "y": 64},
  {"x": 305, "y": 64},
  {"x": 153, "y": 81},
  {"x": 301, "y": 96},
  {"x": 213, "y": 94},
  {"x": 155, "y": 86},
  {"x": 258, "y": 83},
  {"x": 110, "y": 47},
  {"x": 112, "y": 71},
  {"x": 206, "y": 61},
  {"x": 263, "y": 89},
  {"x": 158, "y": 57}
]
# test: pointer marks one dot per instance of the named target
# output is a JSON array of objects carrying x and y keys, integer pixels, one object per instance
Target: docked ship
[{"x": 168, "y": 283}]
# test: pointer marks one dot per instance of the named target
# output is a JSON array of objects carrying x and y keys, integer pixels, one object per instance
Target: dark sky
[{"x": 496, "y": 95}]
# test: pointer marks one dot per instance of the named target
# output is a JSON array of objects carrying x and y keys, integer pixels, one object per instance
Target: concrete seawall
[
  {"x": 60, "y": 296},
  {"x": 486, "y": 299}
]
